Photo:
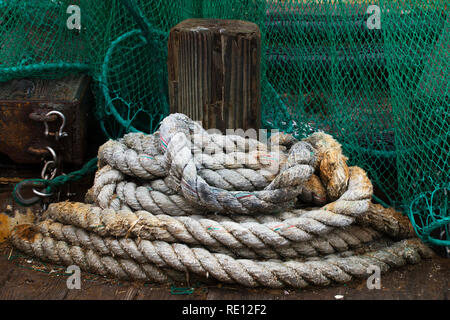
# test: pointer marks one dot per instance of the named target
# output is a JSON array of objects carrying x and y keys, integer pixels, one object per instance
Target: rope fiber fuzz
[{"x": 285, "y": 213}]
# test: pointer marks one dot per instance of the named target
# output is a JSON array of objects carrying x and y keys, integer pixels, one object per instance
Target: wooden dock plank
[
  {"x": 428, "y": 280},
  {"x": 18, "y": 280},
  {"x": 25, "y": 284},
  {"x": 161, "y": 292},
  {"x": 101, "y": 290}
]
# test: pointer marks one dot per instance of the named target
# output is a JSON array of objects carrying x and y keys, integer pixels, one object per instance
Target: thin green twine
[{"x": 52, "y": 184}]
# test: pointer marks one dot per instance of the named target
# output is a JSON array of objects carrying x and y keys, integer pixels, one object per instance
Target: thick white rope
[
  {"x": 230, "y": 171},
  {"x": 305, "y": 233},
  {"x": 110, "y": 190},
  {"x": 219, "y": 169},
  {"x": 331, "y": 243},
  {"x": 148, "y": 261},
  {"x": 281, "y": 190},
  {"x": 182, "y": 201}
]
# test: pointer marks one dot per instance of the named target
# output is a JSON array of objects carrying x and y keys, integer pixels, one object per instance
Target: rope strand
[{"x": 185, "y": 201}]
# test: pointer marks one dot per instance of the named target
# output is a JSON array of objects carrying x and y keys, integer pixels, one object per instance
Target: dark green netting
[{"x": 382, "y": 92}]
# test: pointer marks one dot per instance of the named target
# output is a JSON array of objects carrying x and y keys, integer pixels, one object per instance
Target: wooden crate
[{"x": 22, "y": 139}]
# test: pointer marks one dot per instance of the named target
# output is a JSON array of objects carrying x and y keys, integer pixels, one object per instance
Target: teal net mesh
[{"x": 381, "y": 87}]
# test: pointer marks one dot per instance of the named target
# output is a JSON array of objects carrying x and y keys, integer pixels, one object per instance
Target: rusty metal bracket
[
  {"x": 42, "y": 117},
  {"x": 36, "y": 150},
  {"x": 28, "y": 102},
  {"x": 51, "y": 167}
]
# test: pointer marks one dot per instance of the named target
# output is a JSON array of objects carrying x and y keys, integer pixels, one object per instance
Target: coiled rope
[{"x": 224, "y": 208}]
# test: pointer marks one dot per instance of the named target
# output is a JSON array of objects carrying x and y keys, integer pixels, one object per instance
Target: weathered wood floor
[{"x": 25, "y": 278}]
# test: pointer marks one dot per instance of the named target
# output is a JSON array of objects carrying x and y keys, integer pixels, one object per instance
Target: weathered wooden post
[{"x": 214, "y": 72}]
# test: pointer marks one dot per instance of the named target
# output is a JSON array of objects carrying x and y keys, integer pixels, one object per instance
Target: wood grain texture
[
  {"x": 427, "y": 280},
  {"x": 214, "y": 72}
]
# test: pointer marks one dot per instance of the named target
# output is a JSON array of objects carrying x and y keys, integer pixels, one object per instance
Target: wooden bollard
[{"x": 214, "y": 72}]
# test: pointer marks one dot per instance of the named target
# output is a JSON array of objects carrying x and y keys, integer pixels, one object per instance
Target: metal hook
[
  {"x": 60, "y": 133},
  {"x": 20, "y": 186},
  {"x": 53, "y": 153},
  {"x": 42, "y": 194},
  {"x": 45, "y": 176}
]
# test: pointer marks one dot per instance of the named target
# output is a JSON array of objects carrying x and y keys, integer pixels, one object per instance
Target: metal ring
[
  {"x": 60, "y": 133},
  {"x": 53, "y": 172},
  {"x": 53, "y": 153},
  {"x": 17, "y": 192},
  {"x": 42, "y": 194}
]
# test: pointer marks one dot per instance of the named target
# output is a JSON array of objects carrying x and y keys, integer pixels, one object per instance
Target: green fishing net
[{"x": 374, "y": 74}]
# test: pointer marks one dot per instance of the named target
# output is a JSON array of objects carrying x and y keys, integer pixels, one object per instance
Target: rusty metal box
[{"x": 23, "y": 106}]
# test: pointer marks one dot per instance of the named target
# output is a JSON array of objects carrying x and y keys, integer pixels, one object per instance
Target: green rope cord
[
  {"x": 430, "y": 212},
  {"x": 181, "y": 291},
  {"x": 10, "y": 73},
  {"x": 320, "y": 67},
  {"x": 105, "y": 69},
  {"x": 147, "y": 34},
  {"x": 104, "y": 80},
  {"x": 53, "y": 184}
]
